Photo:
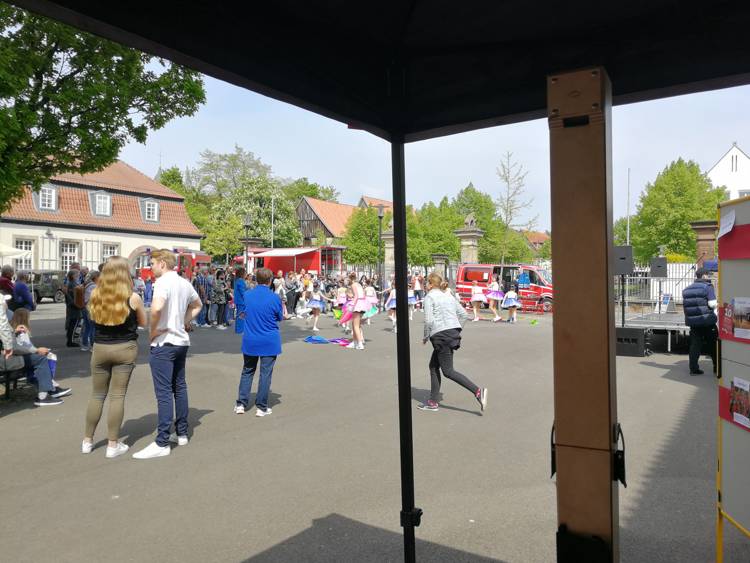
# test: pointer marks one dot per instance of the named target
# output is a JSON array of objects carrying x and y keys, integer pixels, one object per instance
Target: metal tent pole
[{"x": 410, "y": 516}]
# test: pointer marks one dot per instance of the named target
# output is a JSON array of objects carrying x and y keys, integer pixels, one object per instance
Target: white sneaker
[
  {"x": 259, "y": 412},
  {"x": 475, "y": 320},
  {"x": 239, "y": 409},
  {"x": 119, "y": 449},
  {"x": 352, "y": 345},
  {"x": 316, "y": 329},
  {"x": 84, "y": 348},
  {"x": 220, "y": 327},
  {"x": 360, "y": 346},
  {"x": 152, "y": 450},
  {"x": 86, "y": 447},
  {"x": 179, "y": 440}
]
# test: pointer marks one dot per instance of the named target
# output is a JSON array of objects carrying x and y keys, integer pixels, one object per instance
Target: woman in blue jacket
[{"x": 239, "y": 300}]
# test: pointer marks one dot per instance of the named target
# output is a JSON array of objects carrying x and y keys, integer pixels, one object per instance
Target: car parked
[{"x": 48, "y": 285}]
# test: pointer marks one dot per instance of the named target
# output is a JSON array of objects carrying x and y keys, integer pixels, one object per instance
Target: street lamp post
[
  {"x": 381, "y": 214},
  {"x": 247, "y": 223}
]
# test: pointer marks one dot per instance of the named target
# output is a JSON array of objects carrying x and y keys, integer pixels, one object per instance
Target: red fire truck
[
  {"x": 186, "y": 261},
  {"x": 534, "y": 284}
]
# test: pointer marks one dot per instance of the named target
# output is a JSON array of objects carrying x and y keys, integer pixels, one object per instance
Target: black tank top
[{"x": 118, "y": 334}]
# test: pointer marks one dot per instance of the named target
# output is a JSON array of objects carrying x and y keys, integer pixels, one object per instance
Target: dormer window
[
  {"x": 151, "y": 211},
  {"x": 48, "y": 198},
  {"x": 103, "y": 204}
]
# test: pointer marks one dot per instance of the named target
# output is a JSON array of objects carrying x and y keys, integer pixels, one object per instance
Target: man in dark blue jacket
[
  {"x": 261, "y": 342},
  {"x": 699, "y": 304}
]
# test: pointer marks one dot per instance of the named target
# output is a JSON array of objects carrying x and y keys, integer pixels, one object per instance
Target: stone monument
[
  {"x": 469, "y": 237},
  {"x": 389, "y": 258}
]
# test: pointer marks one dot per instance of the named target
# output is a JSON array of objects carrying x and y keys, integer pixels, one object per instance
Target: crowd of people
[{"x": 107, "y": 308}]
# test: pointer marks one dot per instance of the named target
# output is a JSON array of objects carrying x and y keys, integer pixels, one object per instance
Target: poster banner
[
  {"x": 734, "y": 403},
  {"x": 734, "y": 320}
]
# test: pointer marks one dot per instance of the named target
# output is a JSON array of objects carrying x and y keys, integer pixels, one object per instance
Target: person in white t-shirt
[{"x": 174, "y": 305}]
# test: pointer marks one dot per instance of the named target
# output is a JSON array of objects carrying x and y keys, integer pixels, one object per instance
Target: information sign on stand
[{"x": 733, "y": 448}]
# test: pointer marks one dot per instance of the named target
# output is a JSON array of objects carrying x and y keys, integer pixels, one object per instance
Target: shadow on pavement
[
  {"x": 680, "y": 372},
  {"x": 421, "y": 395},
  {"x": 337, "y": 538},
  {"x": 674, "y": 516}
]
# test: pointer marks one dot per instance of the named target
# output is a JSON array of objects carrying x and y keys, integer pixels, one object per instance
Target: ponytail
[{"x": 444, "y": 286}]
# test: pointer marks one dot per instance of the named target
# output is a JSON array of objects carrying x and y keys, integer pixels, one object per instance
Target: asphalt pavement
[{"x": 319, "y": 479}]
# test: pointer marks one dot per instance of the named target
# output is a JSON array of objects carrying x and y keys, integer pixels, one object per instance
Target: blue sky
[{"x": 646, "y": 138}]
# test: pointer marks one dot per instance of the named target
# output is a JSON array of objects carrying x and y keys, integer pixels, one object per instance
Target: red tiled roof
[
  {"x": 73, "y": 207},
  {"x": 333, "y": 215},
  {"x": 535, "y": 237},
  {"x": 374, "y": 202},
  {"x": 120, "y": 176}
]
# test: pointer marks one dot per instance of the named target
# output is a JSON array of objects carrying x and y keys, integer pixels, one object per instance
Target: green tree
[
  {"x": 252, "y": 197},
  {"x": 69, "y": 100},
  {"x": 219, "y": 174},
  {"x": 545, "y": 251},
  {"x": 472, "y": 200},
  {"x": 417, "y": 248},
  {"x": 301, "y": 187},
  {"x": 437, "y": 223},
  {"x": 680, "y": 195},
  {"x": 620, "y": 231},
  {"x": 197, "y": 204},
  {"x": 361, "y": 237}
]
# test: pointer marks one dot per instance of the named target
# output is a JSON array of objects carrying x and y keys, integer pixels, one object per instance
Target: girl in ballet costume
[
  {"x": 371, "y": 295},
  {"x": 477, "y": 298},
  {"x": 510, "y": 302},
  {"x": 411, "y": 299},
  {"x": 359, "y": 308},
  {"x": 495, "y": 295},
  {"x": 390, "y": 306},
  {"x": 316, "y": 302}
]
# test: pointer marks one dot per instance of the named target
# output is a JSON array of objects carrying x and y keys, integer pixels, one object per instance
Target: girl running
[
  {"x": 495, "y": 296},
  {"x": 390, "y": 306},
  {"x": 477, "y": 298},
  {"x": 316, "y": 302},
  {"x": 442, "y": 327}
]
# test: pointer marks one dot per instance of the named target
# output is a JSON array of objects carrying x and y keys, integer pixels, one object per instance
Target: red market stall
[{"x": 321, "y": 260}]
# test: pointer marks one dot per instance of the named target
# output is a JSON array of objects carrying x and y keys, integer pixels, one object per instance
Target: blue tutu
[
  {"x": 391, "y": 304},
  {"x": 412, "y": 300},
  {"x": 508, "y": 303},
  {"x": 316, "y": 304}
]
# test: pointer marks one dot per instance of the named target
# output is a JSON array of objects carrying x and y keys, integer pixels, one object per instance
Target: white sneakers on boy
[
  {"x": 259, "y": 412},
  {"x": 179, "y": 440},
  {"x": 86, "y": 447},
  {"x": 152, "y": 450},
  {"x": 239, "y": 409},
  {"x": 118, "y": 450}
]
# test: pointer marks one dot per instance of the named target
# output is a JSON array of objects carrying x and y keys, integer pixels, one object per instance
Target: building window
[
  {"x": 103, "y": 204},
  {"x": 152, "y": 211},
  {"x": 68, "y": 254},
  {"x": 109, "y": 250},
  {"x": 48, "y": 198},
  {"x": 143, "y": 261},
  {"x": 25, "y": 263}
]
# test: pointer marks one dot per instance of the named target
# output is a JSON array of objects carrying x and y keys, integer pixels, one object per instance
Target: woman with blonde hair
[
  {"x": 442, "y": 327},
  {"x": 117, "y": 312}
]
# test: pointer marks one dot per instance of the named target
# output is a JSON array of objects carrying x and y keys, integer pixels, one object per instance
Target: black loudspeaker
[
  {"x": 623, "y": 260},
  {"x": 632, "y": 342},
  {"x": 658, "y": 267}
]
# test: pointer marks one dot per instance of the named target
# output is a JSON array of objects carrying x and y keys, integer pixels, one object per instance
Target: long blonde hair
[
  {"x": 109, "y": 300},
  {"x": 21, "y": 317}
]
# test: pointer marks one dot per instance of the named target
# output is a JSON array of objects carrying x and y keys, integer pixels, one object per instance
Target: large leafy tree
[
  {"x": 680, "y": 195},
  {"x": 69, "y": 100},
  {"x": 253, "y": 197},
  {"x": 436, "y": 224},
  {"x": 361, "y": 237},
  {"x": 219, "y": 174},
  {"x": 197, "y": 204},
  {"x": 301, "y": 187}
]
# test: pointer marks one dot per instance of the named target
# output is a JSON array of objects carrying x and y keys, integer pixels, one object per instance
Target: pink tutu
[
  {"x": 372, "y": 300},
  {"x": 361, "y": 305},
  {"x": 341, "y": 300},
  {"x": 478, "y": 297},
  {"x": 347, "y": 315}
]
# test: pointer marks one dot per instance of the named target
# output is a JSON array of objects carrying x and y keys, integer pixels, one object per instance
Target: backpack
[{"x": 78, "y": 296}]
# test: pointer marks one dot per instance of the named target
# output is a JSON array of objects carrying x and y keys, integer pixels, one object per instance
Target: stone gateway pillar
[
  {"x": 705, "y": 239},
  {"x": 469, "y": 237},
  {"x": 440, "y": 262}
]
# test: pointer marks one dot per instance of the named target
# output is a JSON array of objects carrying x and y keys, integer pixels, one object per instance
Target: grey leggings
[{"x": 111, "y": 366}]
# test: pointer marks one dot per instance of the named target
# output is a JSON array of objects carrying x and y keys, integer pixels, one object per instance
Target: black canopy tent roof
[
  {"x": 462, "y": 65},
  {"x": 407, "y": 70}
]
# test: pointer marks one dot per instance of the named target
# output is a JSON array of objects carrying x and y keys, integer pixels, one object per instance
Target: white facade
[
  {"x": 56, "y": 247},
  {"x": 732, "y": 172}
]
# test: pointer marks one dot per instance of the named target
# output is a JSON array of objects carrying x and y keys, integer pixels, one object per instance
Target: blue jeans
[
  {"x": 203, "y": 315},
  {"x": 264, "y": 382},
  {"x": 41, "y": 371},
  {"x": 87, "y": 336},
  {"x": 168, "y": 372}
]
